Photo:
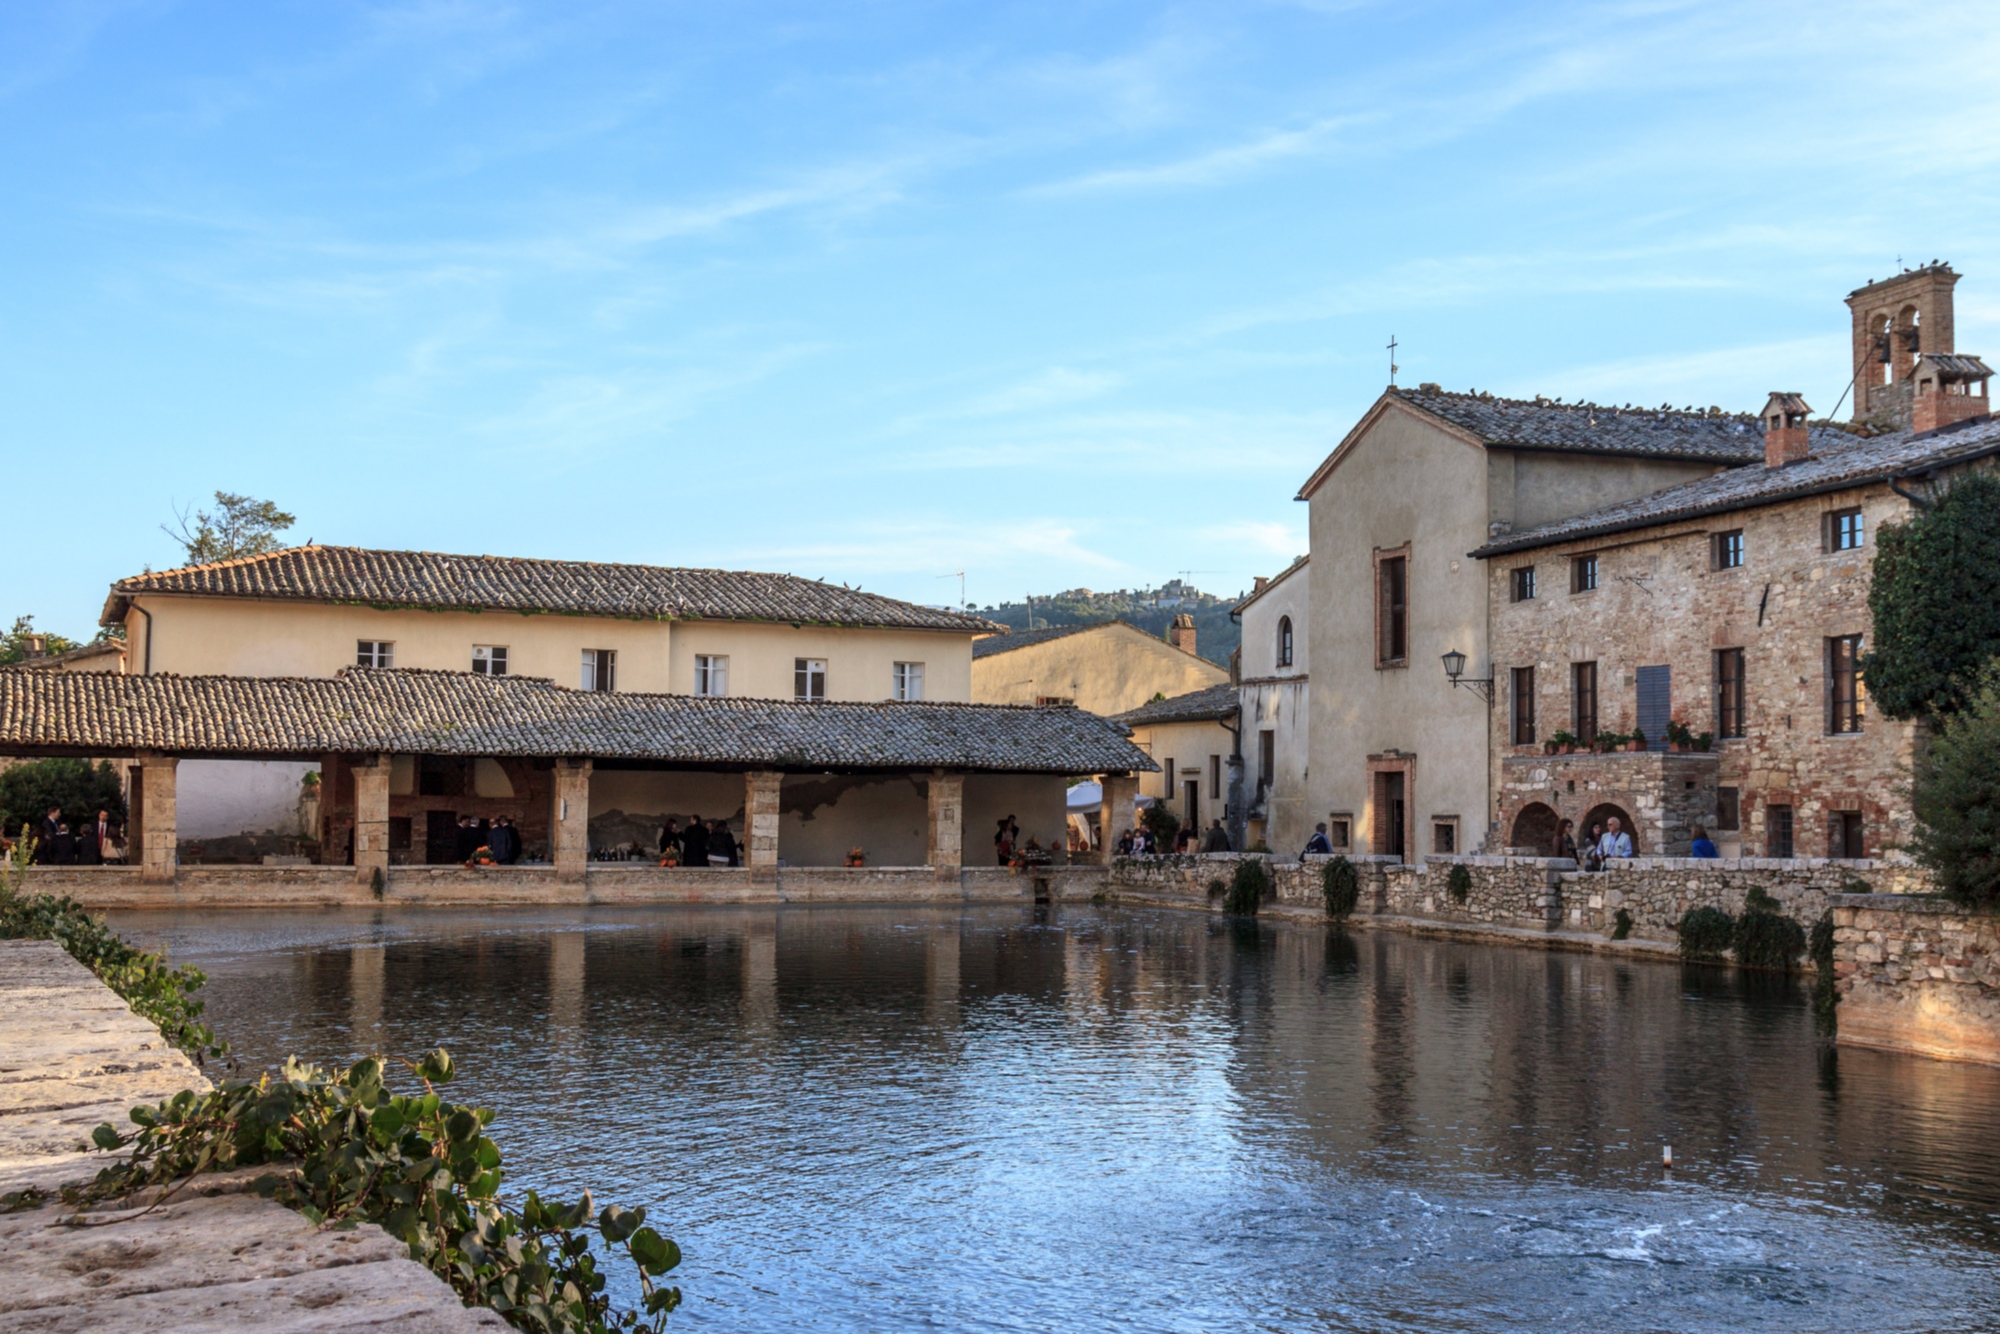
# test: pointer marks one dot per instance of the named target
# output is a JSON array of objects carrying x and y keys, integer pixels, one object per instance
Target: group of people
[
  {"x": 499, "y": 837},
  {"x": 88, "y": 843},
  {"x": 701, "y": 843}
]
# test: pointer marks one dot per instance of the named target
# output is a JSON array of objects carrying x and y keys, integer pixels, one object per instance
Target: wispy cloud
[{"x": 1212, "y": 166}]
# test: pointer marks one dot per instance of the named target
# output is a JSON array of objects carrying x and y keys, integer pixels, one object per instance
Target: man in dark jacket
[
  {"x": 45, "y": 835},
  {"x": 722, "y": 843},
  {"x": 503, "y": 842},
  {"x": 694, "y": 843},
  {"x": 91, "y": 843},
  {"x": 1319, "y": 844},
  {"x": 1216, "y": 840}
]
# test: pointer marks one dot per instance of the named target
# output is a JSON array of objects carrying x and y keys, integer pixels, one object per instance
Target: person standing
[
  {"x": 722, "y": 845},
  {"x": 503, "y": 842},
  {"x": 1216, "y": 840},
  {"x": 45, "y": 835},
  {"x": 694, "y": 843},
  {"x": 1702, "y": 847},
  {"x": 1593, "y": 860},
  {"x": 670, "y": 838},
  {"x": 1566, "y": 840},
  {"x": 1615, "y": 841},
  {"x": 1003, "y": 842}
]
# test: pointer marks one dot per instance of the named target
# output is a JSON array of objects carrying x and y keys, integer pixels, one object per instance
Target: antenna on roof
[
  {"x": 960, "y": 576},
  {"x": 1393, "y": 367}
]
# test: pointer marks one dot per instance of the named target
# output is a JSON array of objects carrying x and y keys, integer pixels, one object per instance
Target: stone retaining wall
[
  {"x": 1917, "y": 975},
  {"x": 1657, "y": 890}
]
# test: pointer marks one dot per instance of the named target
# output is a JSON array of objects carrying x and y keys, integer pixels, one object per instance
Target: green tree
[
  {"x": 1957, "y": 798},
  {"x": 1936, "y": 621},
  {"x": 81, "y": 789},
  {"x": 14, "y": 644},
  {"x": 237, "y": 526}
]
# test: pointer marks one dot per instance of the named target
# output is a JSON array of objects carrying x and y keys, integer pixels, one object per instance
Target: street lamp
[{"x": 1454, "y": 671}]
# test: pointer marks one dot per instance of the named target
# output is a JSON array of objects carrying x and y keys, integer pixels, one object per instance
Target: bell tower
[{"x": 1897, "y": 322}]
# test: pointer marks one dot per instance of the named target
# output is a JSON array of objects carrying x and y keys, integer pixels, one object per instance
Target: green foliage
[
  {"x": 1765, "y": 937},
  {"x": 1459, "y": 882},
  {"x": 237, "y": 526},
  {"x": 420, "y": 1167},
  {"x": 14, "y": 645},
  {"x": 1820, "y": 948},
  {"x": 1956, "y": 796},
  {"x": 154, "y": 991},
  {"x": 1216, "y": 889},
  {"x": 1161, "y": 825},
  {"x": 1564, "y": 737},
  {"x": 1706, "y": 933},
  {"x": 81, "y": 789},
  {"x": 1216, "y": 635},
  {"x": 1936, "y": 623},
  {"x": 1621, "y": 925},
  {"x": 1340, "y": 884},
  {"x": 1248, "y": 889},
  {"x": 378, "y": 884}
]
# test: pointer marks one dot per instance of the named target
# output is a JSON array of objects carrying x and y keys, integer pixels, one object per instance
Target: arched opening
[
  {"x": 1885, "y": 355},
  {"x": 1535, "y": 830},
  {"x": 1284, "y": 641},
  {"x": 1600, "y": 816}
]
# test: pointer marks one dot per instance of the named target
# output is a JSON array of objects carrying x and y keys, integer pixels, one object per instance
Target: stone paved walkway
[{"x": 72, "y": 1056}]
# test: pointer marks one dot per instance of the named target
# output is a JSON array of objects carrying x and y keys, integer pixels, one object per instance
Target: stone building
[
  {"x": 1190, "y": 739},
  {"x": 1732, "y": 610},
  {"x": 1107, "y": 667},
  {"x": 1896, "y": 322},
  {"x": 1272, "y": 683},
  {"x": 1399, "y": 757}
]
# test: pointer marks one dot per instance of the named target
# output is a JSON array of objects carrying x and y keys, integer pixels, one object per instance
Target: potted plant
[
  {"x": 1605, "y": 742},
  {"x": 1562, "y": 743},
  {"x": 855, "y": 857},
  {"x": 1679, "y": 738},
  {"x": 1705, "y": 742},
  {"x": 1637, "y": 741}
]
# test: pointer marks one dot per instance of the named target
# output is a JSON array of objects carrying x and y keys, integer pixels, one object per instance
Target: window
[
  {"x": 1843, "y": 530},
  {"x": 399, "y": 833},
  {"x": 1728, "y": 808},
  {"x": 1728, "y": 549},
  {"x": 1392, "y": 610},
  {"x": 1169, "y": 784},
  {"x": 1340, "y": 830},
  {"x": 489, "y": 660},
  {"x": 711, "y": 674},
  {"x": 1843, "y": 835},
  {"x": 809, "y": 678},
  {"x": 1847, "y": 693},
  {"x": 1047, "y": 701},
  {"x": 1522, "y": 581},
  {"x": 1583, "y": 701},
  {"x": 374, "y": 653},
  {"x": 1583, "y": 574},
  {"x": 1778, "y": 830},
  {"x": 600, "y": 669},
  {"x": 1730, "y": 712},
  {"x": 1444, "y": 837},
  {"x": 909, "y": 680},
  {"x": 1524, "y": 706},
  {"x": 1284, "y": 641},
  {"x": 1215, "y": 774},
  {"x": 1267, "y": 758}
]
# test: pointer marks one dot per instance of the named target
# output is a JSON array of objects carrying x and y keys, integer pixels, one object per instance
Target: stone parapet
[{"x": 1918, "y": 975}]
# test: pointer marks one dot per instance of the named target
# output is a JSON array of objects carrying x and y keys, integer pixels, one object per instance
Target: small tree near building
[
  {"x": 1936, "y": 621},
  {"x": 1957, "y": 799},
  {"x": 238, "y": 526}
]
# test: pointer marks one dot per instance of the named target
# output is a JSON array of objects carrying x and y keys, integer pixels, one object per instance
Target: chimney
[
  {"x": 37, "y": 646},
  {"x": 1258, "y": 583},
  {"x": 1181, "y": 633},
  {"x": 1785, "y": 437},
  {"x": 1949, "y": 390}
]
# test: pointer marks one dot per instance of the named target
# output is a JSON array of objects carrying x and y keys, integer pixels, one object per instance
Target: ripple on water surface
[{"x": 894, "y": 1118}]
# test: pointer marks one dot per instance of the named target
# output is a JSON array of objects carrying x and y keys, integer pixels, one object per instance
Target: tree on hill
[
  {"x": 1152, "y": 610},
  {"x": 237, "y": 526}
]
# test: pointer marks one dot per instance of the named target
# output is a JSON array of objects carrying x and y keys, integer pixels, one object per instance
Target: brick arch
[
  {"x": 1535, "y": 827},
  {"x": 1602, "y": 812}
]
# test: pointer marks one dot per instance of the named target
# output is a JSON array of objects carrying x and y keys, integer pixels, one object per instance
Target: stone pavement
[{"x": 213, "y": 1258}]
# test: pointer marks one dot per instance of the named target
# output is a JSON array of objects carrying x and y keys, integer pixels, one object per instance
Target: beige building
[
  {"x": 1399, "y": 755},
  {"x": 1272, "y": 686},
  {"x": 1191, "y": 738},
  {"x": 1106, "y": 668}
]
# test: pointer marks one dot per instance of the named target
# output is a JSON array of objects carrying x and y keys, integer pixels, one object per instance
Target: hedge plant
[
  {"x": 1706, "y": 934},
  {"x": 1459, "y": 882},
  {"x": 1956, "y": 797},
  {"x": 1340, "y": 885},
  {"x": 1250, "y": 886},
  {"x": 1765, "y": 937}
]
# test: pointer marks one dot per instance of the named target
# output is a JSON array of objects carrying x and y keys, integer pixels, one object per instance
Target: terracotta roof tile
[
  {"x": 432, "y": 580},
  {"x": 454, "y": 713},
  {"x": 1593, "y": 428}
]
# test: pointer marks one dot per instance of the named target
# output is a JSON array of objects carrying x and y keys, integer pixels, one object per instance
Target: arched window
[{"x": 1284, "y": 641}]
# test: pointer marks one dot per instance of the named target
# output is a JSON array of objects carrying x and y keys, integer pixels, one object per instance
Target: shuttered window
[
  {"x": 1656, "y": 704},
  {"x": 1392, "y": 622},
  {"x": 1524, "y": 706},
  {"x": 1730, "y": 710}
]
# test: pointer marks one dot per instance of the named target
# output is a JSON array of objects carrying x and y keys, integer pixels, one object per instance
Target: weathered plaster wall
[
  {"x": 1040, "y": 802},
  {"x": 1200, "y": 753},
  {"x": 219, "y": 798},
  {"x": 1104, "y": 670}
]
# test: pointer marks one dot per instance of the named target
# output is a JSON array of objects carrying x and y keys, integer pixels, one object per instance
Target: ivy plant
[{"x": 1936, "y": 623}]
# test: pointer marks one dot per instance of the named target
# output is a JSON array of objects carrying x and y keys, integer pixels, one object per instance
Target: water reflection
[{"x": 1074, "y": 1119}]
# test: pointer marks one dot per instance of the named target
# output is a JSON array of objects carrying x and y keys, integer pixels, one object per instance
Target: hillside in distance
[{"x": 1152, "y": 610}]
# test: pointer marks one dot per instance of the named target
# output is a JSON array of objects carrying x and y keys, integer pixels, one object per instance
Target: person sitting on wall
[
  {"x": 1184, "y": 839},
  {"x": 1566, "y": 840},
  {"x": 670, "y": 837},
  {"x": 1216, "y": 840},
  {"x": 694, "y": 843},
  {"x": 1702, "y": 846},
  {"x": 1319, "y": 844},
  {"x": 1593, "y": 860},
  {"x": 1615, "y": 842}
]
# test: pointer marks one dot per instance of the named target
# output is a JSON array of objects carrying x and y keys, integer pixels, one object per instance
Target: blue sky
[{"x": 1058, "y": 294}]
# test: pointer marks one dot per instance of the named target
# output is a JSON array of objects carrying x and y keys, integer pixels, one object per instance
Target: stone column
[
  {"x": 1116, "y": 815},
  {"x": 159, "y": 835},
  {"x": 569, "y": 838},
  {"x": 946, "y": 853},
  {"x": 371, "y": 817},
  {"x": 760, "y": 823}
]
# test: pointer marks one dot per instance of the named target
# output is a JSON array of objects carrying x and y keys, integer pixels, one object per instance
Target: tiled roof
[
  {"x": 1007, "y": 643},
  {"x": 97, "y": 648},
  {"x": 1958, "y": 366},
  {"x": 506, "y": 583},
  {"x": 1276, "y": 579},
  {"x": 1217, "y": 701},
  {"x": 1854, "y": 461},
  {"x": 1686, "y": 433},
  {"x": 455, "y": 713}
]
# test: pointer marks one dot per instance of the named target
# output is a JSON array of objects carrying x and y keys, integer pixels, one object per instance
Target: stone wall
[
  {"x": 1658, "y": 795},
  {"x": 1657, "y": 890},
  {"x": 1658, "y": 602},
  {"x": 1917, "y": 975},
  {"x": 1504, "y": 891}
]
